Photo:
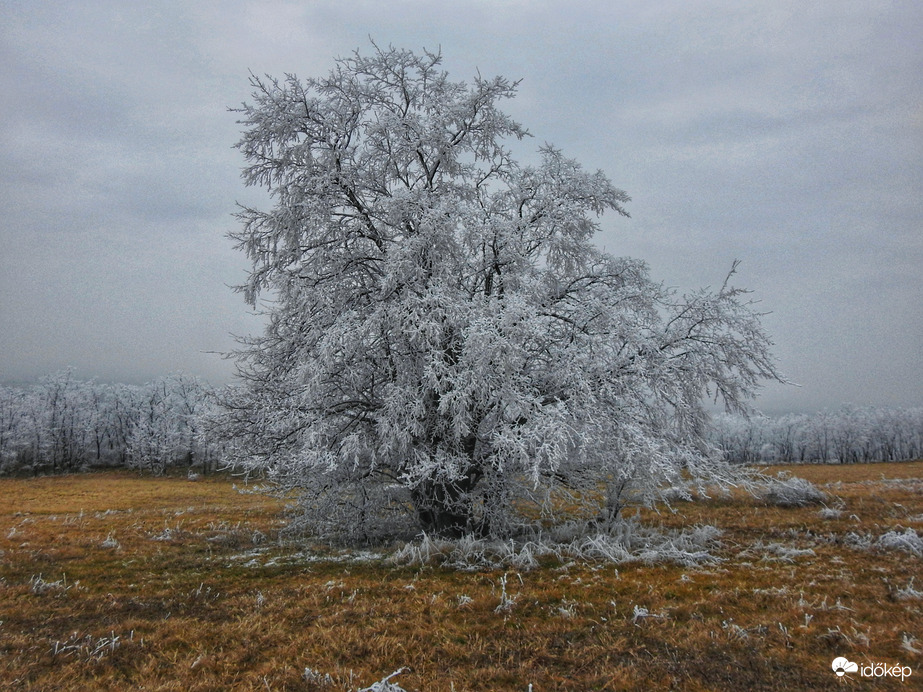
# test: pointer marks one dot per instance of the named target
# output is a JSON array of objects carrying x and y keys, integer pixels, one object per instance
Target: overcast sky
[{"x": 786, "y": 134}]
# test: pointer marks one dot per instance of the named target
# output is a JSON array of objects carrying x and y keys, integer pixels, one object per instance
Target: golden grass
[{"x": 114, "y": 581}]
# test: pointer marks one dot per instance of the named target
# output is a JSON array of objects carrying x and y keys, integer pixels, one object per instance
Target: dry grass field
[{"x": 119, "y": 582}]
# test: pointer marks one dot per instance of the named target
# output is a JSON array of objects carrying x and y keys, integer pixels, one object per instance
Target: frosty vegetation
[
  {"x": 848, "y": 435},
  {"x": 63, "y": 424},
  {"x": 447, "y": 349},
  {"x": 790, "y": 491}
]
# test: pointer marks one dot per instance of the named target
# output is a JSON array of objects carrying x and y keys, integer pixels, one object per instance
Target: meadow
[{"x": 114, "y": 581}]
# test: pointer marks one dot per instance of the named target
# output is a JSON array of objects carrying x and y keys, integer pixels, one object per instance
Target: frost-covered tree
[
  {"x": 14, "y": 437},
  {"x": 847, "y": 435},
  {"x": 444, "y": 340},
  {"x": 165, "y": 431},
  {"x": 62, "y": 424},
  {"x": 60, "y": 412}
]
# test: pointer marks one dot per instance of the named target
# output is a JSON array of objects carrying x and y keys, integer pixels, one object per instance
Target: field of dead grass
[{"x": 115, "y": 582}]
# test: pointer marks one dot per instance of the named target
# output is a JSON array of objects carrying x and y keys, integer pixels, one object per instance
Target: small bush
[{"x": 790, "y": 491}]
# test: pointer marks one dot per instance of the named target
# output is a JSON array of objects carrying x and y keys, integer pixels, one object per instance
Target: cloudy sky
[{"x": 786, "y": 134}]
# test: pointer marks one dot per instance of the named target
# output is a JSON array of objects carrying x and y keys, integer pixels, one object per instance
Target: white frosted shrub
[{"x": 791, "y": 491}]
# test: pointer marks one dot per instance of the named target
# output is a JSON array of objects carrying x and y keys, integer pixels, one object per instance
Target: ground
[{"x": 116, "y": 581}]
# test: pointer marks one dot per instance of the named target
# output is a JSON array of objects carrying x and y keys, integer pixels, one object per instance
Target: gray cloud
[{"x": 789, "y": 136}]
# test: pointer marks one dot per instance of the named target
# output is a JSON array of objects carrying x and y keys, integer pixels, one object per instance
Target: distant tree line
[
  {"x": 63, "y": 424},
  {"x": 847, "y": 435}
]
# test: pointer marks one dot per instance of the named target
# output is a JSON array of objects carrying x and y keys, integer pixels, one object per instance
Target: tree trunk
[{"x": 445, "y": 508}]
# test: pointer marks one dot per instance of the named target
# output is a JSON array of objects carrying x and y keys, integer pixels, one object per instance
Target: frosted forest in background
[
  {"x": 849, "y": 434},
  {"x": 63, "y": 424}
]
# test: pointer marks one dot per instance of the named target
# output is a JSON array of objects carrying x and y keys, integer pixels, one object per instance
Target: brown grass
[{"x": 114, "y": 581}]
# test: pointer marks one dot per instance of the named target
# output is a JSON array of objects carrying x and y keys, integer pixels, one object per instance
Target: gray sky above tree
[{"x": 788, "y": 135}]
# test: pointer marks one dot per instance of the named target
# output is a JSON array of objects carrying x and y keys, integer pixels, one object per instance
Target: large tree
[{"x": 445, "y": 343}]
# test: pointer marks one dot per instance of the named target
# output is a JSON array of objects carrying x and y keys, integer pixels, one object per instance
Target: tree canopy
[{"x": 446, "y": 346}]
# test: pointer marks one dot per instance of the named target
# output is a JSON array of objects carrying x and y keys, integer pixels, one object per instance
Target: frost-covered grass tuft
[
  {"x": 110, "y": 543},
  {"x": 506, "y": 600},
  {"x": 781, "y": 552},
  {"x": 830, "y": 513},
  {"x": 640, "y": 614},
  {"x": 464, "y": 600},
  {"x": 166, "y": 535},
  {"x": 38, "y": 585},
  {"x": 790, "y": 491},
  {"x": 385, "y": 684},
  {"x": 909, "y": 540},
  {"x": 87, "y": 647},
  {"x": 626, "y": 541},
  {"x": 909, "y": 644},
  {"x": 690, "y": 547},
  {"x": 317, "y": 678},
  {"x": 908, "y": 592}
]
